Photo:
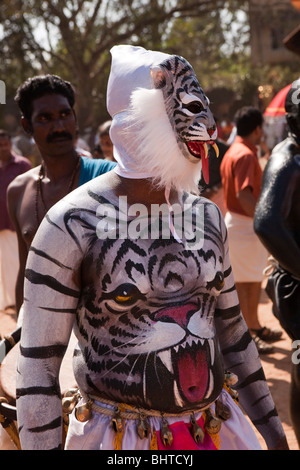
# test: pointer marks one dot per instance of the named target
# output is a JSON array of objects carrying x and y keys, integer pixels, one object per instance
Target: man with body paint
[{"x": 161, "y": 339}]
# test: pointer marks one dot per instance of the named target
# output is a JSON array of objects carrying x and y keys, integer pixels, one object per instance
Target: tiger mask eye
[{"x": 194, "y": 107}]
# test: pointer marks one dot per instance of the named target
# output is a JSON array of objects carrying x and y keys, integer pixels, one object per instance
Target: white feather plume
[{"x": 151, "y": 141}]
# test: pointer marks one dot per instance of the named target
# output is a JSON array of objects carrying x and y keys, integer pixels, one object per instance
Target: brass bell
[
  {"x": 84, "y": 412},
  {"x": 197, "y": 431},
  {"x": 143, "y": 427},
  {"x": 212, "y": 423},
  {"x": 166, "y": 434},
  {"x": 70, "y": 392},
  {"x": 222, "y": 411},
  {"x": 230, "y": 378},
  {"x": 117, "y": 422},
  {"x": 69, "y": 402},
  {"x": 234, "y": 394}
]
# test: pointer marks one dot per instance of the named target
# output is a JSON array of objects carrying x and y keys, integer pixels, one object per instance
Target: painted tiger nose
[
  {"x": 179, "y": 314},
  {"x": 211, "y": 130}
]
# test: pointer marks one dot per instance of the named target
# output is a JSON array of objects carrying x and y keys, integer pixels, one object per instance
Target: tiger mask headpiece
[{"x": 161, "y": 118}]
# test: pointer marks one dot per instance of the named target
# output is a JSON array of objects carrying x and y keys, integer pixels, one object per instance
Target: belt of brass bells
[{"x": 212, "y": 421}]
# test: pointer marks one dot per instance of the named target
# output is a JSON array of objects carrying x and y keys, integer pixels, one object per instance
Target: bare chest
[{"x": 38, "y": 198}]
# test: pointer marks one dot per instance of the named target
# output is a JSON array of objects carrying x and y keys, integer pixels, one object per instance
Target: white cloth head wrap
[
  {"x": 142, "y": 100},
  {"x": 130, "y": 70}
]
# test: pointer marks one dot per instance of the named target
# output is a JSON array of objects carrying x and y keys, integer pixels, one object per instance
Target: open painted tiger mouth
[
  {"x": 199, "y": 150},
  {"x": 190, "y": 363}
]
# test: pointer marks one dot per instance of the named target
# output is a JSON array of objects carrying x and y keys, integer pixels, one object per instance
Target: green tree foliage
[{"x": 73, "y": 39}]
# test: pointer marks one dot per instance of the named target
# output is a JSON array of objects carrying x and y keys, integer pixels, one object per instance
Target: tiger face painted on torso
[{"x": 145, "y": 319}]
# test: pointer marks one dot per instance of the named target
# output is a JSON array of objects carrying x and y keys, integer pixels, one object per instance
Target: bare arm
[
  {"x": 247, "y": 201},
  {"x": 51, "y": 296},
  {"x": 14, "y": 195}
]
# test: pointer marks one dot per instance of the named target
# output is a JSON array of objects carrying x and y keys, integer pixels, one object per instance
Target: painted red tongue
[
  {"x": 205, "y": 164},
  {"x": 197, "y": 148},
  {"x": 193, "y": 375}
]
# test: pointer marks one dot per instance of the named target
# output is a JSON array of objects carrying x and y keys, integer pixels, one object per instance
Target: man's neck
[
  {"x": 58, "y": 166},
  {"x": 142, "y": 191}
]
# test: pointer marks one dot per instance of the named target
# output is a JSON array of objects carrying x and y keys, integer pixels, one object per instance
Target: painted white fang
[
  {"x": 212, "y": 350},
  {"x": 210, "y": 386},
  {"x": 190, "y": 341},
  {"x": 165, "y": 357},
  {"x": 177, "y": 396}
]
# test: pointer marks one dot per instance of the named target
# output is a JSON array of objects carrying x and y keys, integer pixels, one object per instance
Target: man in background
[
  {"x": 11, "y": 165},
  {"x": 105, "y": 142},
  {"x": 214, "y": 190},
  {"x": 47, "y": 107}
]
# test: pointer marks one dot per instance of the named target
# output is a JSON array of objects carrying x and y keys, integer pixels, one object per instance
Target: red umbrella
[{"x": 276, "y": 107}]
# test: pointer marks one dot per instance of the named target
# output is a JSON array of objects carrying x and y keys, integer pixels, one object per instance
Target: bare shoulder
[
  {"x": 103, "y": 186},
  {"x": 17, "y": 187},
  {"x": 20, "y": 182}
]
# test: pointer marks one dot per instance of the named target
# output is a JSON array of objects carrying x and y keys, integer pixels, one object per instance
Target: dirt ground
[{"x": 276, "y": 367}]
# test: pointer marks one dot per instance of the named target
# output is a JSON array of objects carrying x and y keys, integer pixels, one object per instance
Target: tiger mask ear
[{"x": 158, "y": 77}]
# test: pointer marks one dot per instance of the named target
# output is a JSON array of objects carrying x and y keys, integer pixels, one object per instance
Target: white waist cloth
[
  {"x": 248, "y": 256},
  {"x": 97, "y": 434}
]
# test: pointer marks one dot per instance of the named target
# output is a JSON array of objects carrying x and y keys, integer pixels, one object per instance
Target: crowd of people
[{"x": 115, "y": 291}]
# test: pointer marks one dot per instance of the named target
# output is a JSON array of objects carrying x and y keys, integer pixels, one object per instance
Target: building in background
[{"x": 270, "y": 23}]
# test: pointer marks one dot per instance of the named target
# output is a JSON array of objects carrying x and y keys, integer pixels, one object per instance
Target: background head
[
  {"x": 46, "y": 103},
  {"x": 249, "y": 124},
  {"x": 247, "y": 119},
  {"x": 292, "y": 108},
  {"x": 40, "y": 85},
  {"x": 105, "y": 140},
  {"x": 5, "y": 146}
]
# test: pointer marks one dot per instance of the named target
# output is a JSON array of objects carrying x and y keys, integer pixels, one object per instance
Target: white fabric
[
  {"x": 9, "y": 266},
  {"x": 97, "y": 434},
  {"x": 247, "y": 254},
  {"x": 130, "y": 70}
]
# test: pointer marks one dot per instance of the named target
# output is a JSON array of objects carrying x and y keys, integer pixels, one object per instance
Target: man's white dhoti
[
  {"x": 247, "y": 254},
  {"x": 97, "y": 434}
]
